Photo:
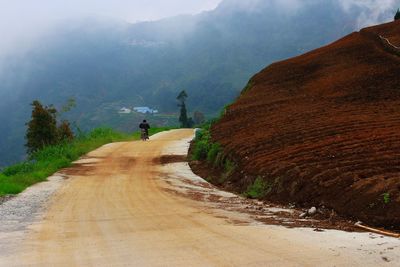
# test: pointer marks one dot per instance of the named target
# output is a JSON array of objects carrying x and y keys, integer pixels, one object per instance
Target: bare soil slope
[{"x": 324, "y": 128}]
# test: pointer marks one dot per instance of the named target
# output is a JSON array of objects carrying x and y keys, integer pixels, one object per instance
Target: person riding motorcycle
[{"x": 144, "y": 126}]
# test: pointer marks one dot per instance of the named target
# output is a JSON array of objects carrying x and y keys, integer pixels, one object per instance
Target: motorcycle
[{"x": 144, "y": 135}]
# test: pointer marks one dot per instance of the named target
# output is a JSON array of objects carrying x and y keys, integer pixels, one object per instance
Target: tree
[
  {"x": 64, "y": 129},
  {"x": 42, "y": 129},
  {"x": 64, "y": 132},
  {"x": 397, "y": 16},
  {"x": 183, "y": 119},
  {"x": 198, "y": 117},
  {"x": 182, "y": 97}
]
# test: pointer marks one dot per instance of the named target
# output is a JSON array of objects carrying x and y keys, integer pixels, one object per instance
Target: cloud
[
  {"x": 369, "y": 12},
  {"x": 21, "y": 21},
  {"x": 372, "y": 11},
  {"x": 254, "y": 5}
]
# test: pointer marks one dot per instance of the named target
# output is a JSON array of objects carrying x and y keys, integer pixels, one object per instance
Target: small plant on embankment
[
  {"x": 258, "y": 189},
  {"x": 386, "y": 198},
  {"x": 43, "y": 163}
]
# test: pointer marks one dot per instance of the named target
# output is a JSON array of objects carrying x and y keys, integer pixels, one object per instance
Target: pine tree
[
  {"x": 183, "y": 116},
  {"x": 42, "y": 129},
  {"x": 397, "y": 16},
  {"x": 183, "y": 119}
]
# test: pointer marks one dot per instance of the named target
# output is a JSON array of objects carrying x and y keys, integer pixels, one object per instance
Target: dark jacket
[{"x": 144, "y": 125}]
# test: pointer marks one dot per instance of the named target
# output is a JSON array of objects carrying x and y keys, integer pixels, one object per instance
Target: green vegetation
[
  {"x": 42, "y": 128},
  {"x": 213, "y": 152},
  {"x": 249, "y": 85},
  {"x": 397, "y": 16},
  {"x": 201, "y": 144},
  {"x": 258, "y": 189},
  {"x": 205, "y": 150},
  {"x": 386, "y": 198},
  {"x": 50, "y": 159},
  {"x": 183, "y": 118}
]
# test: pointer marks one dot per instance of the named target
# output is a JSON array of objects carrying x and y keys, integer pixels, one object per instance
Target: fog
[
  {"x": 21, "y": 20},
  {"x": 374, "y": 11}
]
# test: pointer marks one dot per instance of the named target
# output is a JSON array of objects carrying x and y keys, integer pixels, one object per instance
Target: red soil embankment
[{"x": 324, "y": 128}]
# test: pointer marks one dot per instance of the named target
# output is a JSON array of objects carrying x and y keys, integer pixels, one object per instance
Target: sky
[
  {"x": 23, "y": 19},
  {"x": 128, "y": 10},
  {"x": 374, "y": 10}
]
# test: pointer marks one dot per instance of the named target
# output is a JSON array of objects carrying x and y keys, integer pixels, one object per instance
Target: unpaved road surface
[{"x": 120, "y": 207}]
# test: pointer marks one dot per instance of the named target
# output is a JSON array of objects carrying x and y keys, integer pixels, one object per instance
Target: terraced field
[{"x": 324, "y": 128}]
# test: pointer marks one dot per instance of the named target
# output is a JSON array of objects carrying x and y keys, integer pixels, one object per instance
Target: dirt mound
[{"x": 324, "y": 128}]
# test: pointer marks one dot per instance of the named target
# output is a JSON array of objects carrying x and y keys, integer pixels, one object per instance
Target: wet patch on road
[{"x": 186, "y": 184}]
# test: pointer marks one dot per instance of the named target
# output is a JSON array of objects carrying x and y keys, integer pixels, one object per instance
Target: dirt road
[{"x": 118, "y": 208}]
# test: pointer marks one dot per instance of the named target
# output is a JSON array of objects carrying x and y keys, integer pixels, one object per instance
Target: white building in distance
[{"x": 145, "y": 110}]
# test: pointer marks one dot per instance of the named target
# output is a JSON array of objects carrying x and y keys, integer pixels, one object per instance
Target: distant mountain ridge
[{"x": 105, "y": 64}]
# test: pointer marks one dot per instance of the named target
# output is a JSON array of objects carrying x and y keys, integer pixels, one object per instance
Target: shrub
[
  {"x": 10, "y": 188},
  {"x": 229, "y": 167},
  {"x": 42, "y": 128},
  {"x": 258, "y": 189},
  {"x": 24, "y": 167},
  {"x": 201, "y": 145},
  {"x": 386, "y": 198},
  {"x": 212, "y": 153},
  {"x": 200, "y": 150},
  {"x": 65, "y": 133},
  {"x": 198, "y": 134}
]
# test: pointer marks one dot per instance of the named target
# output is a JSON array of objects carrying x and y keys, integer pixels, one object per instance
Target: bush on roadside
[
  {"x": 205, "y": 150},
  {"x": 258, "y": 189},
  {"x": 213, "y": 151},
  {"x": 24, "y": 167}
]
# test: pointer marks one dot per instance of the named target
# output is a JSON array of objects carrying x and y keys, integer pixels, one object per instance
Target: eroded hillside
[{"x": 324, "y": 128}]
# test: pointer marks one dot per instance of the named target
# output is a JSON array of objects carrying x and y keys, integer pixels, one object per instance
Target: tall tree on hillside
[
  {"x": 397, "y": 16},
  {"x": 42, "y": 129},
  {"x": 183, "y": 119}
]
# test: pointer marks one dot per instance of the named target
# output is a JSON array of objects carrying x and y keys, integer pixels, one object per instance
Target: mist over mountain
[{"x": 107, "y": 64}]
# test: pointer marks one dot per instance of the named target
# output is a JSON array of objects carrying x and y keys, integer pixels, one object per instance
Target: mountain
[
  {"x": 323, "y": 129},
  {"x": 106, "y": 65}
]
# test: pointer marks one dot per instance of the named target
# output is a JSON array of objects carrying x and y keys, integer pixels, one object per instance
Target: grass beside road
[{"x": 16, "y": 178}]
